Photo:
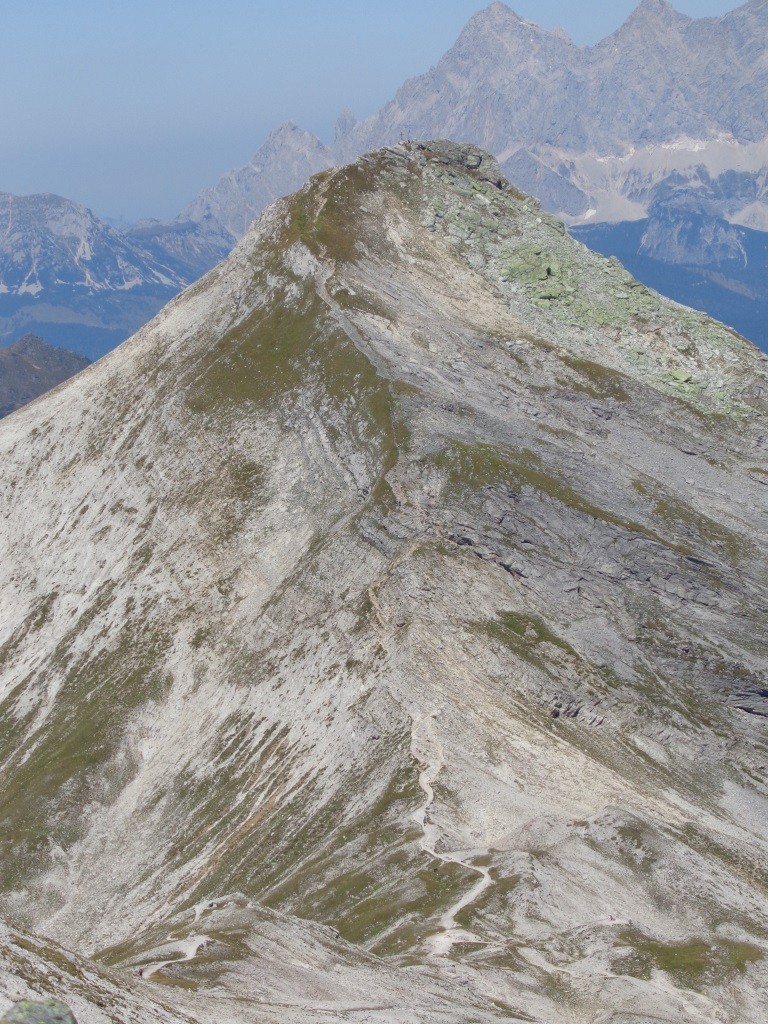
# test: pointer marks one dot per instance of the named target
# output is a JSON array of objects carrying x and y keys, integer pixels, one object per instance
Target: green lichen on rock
[
  {"x": 553, "y": 277},
  {"x": 527, "y": 263},
  {"x": 47, "y": 1011}
]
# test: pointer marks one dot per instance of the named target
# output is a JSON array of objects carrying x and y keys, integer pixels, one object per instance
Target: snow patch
[{"x": 30, "y": 289}]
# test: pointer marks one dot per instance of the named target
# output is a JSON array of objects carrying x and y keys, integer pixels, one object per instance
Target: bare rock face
[{"x": 381, "y": 633}]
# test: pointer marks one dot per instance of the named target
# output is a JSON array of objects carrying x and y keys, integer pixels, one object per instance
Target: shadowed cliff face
[{"x": 381, "y": 629}]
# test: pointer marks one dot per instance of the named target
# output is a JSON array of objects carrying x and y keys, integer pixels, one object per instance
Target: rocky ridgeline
[
  {"x": 496, "y": 86},
  {"x": 662, "y": 122},
  {"x": 597, "y": 308},
  {"x": 590, "y": 131}
]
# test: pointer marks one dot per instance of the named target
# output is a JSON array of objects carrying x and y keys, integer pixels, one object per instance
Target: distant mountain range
[
  {"x": 664, "y": 123},
  {"x": 69, "y": 276},
  {"x": 31, "y": 367},
  {"x": 596, "y": 133}
]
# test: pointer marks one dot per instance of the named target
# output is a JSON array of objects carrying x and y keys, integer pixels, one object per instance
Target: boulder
[{"x": 46, "y": 1011}]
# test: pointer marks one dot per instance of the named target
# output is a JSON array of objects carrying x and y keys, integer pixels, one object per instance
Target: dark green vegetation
[
  {"x": 596, "y": 380},
  {"x": 471, "y": 467},
  {"x": 524, "y": 635},
  {"x": 680, "y": 516}
]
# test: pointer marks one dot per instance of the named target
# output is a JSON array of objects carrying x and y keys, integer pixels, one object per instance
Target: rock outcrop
[{"x": 32, "y": 1011}]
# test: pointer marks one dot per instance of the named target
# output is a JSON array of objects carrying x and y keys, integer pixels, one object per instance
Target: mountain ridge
[
  {"x": 405, "y": 642},
  {"x": 668, "y": 128},
  {"x": 413, "y": 111}
]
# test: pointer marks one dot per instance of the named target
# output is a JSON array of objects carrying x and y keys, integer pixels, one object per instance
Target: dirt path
[
  {"x": 428, "y": 751},
  {"x": 189, "y": 948}
]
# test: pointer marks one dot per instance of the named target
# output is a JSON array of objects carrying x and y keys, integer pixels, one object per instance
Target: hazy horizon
[{"x": 133, "y": 110}]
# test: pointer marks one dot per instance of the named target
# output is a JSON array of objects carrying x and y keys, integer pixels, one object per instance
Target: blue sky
[{"x": 133, "y": 106}]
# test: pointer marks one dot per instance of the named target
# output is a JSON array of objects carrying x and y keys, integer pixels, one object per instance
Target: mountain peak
[
  {"x": 32, "y": 346},
  {"x": 345, "y": 123},
  {"x": 497, "y": 35},
  {"x": 498, "y": 18},
  {"x": 54, "y": 245},
  {"x": 335, "y": 524},
  {"x": 496, "y": 10},
  {"x": 30, "y": 367},
  {"x": 29, "y": 344},
  {"x": 656, "y": 12}
]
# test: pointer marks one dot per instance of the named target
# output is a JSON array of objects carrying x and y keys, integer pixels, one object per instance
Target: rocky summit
[
  {"x": 382, "y": 635},
  {"x": 653, "y": 143},
  {"x": 666, "y": 106}
]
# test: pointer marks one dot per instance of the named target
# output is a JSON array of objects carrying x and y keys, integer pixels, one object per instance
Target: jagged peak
[
  {"x": 286, "y": 135},
  {"x": 345, "y": 123},
  {"x": 288, "y": 129},
  {"x": 655, "y": 12},
  {"x": 29, "y": 343},
  {"x": 654, "y": 7},
  {"x": 751, "y": 7},
  {"x": 495, "y": 10},
  {"x": 499, "y": 24},
  {"x": 499, "y": 17}
]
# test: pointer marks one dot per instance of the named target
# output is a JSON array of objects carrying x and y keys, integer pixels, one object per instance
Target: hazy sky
[{"x": 133, "y": 106}]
